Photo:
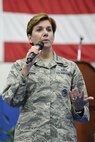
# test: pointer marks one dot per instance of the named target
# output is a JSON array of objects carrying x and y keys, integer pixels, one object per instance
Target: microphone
[
  {"x": 81, "y": 39},
  {"x": 79, "y": 49},
  {"x": 32, "y": 55}
]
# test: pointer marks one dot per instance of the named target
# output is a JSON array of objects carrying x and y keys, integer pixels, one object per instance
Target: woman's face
[{"x": 42, "y": 32}]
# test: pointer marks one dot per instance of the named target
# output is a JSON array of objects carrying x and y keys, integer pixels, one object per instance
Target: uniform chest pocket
[{"x": 63, "y": 76}]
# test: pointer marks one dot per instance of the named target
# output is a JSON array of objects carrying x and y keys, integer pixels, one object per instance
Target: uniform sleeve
[
  {"x": 84, "y": 118},
  {"x": 14, "y": 92},
  {"x": 78, "y": 81}
]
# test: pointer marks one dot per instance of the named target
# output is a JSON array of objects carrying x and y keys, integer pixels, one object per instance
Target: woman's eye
[
  {"x": 49, "y": 29},
  {"x": 38, "y": 30}
]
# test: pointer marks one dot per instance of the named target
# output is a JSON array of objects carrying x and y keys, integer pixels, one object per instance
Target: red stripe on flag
[
  {"x": 50, "y": 6},
  {"x": 70, "y": 51},
  {"x": 14, "y": 51}
]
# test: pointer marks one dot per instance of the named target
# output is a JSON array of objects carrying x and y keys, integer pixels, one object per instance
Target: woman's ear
[{"x": 30, "y": 38}]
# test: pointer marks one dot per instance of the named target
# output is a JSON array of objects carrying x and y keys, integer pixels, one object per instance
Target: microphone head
[
  {"x": 40, "y": 44},
  {"x": 81, "y": 38}
]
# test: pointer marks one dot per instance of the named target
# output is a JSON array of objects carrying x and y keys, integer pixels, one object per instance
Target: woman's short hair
[{"x": 36, "y": 19}]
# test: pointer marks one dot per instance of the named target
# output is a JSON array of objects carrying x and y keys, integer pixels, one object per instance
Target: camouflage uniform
[{"x": 46, "y": 112}]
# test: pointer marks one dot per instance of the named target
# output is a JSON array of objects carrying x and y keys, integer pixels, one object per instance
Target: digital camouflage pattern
[{"x": 46, "y": 112}]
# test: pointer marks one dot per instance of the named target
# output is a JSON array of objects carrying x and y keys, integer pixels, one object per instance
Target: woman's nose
[{"x": 45, "y": 33}]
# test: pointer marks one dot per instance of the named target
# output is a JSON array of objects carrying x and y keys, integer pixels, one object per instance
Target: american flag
[{"x": 75, "y": 21}]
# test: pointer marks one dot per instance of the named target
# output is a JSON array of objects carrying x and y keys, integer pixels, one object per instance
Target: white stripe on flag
[
  {"x": 69, "y": 28},
  {"x": 1, "y": 5},
  {"x": 1, "y": 32}
]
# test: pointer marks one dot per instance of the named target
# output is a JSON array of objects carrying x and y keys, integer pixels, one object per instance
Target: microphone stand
[{"x": 79, "y": 49}]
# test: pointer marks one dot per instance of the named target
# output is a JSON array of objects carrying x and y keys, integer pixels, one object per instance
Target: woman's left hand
[{"x": 78, "y": 99}]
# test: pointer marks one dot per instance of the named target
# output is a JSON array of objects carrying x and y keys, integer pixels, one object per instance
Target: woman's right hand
[{"x": 26, "y": 67}]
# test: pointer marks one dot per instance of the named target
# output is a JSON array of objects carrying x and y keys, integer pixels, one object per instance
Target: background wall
[{"x": 4, "y": 70}]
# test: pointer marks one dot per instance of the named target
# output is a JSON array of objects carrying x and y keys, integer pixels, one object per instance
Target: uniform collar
[{"x": 54, "y": 61}]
